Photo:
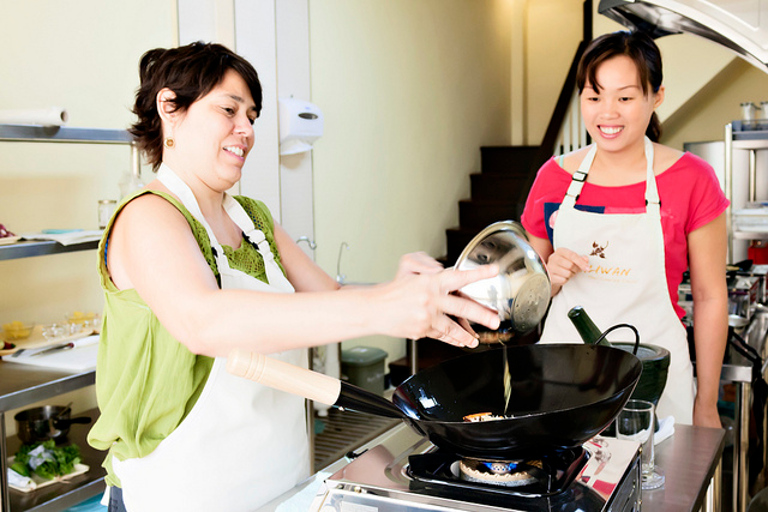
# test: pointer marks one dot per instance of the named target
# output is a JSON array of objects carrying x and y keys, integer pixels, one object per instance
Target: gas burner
[
  {"x": 547, "y": 476},
  {"x": 502, "y": 473}
]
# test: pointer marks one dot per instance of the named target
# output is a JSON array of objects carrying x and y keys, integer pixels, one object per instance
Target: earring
[{"x": 168, "y": 142}]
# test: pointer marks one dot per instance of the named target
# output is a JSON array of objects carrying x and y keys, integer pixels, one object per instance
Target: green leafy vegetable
[{"x": 46, "y": 459}]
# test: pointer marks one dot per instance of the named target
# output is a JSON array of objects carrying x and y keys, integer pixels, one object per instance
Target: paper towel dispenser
[
  {"x": 738, "y": 25},
  {"x": 301, "y": 124}
]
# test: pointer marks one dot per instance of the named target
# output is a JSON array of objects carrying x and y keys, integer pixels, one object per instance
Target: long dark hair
[
  {"x": 191, "y": 72},
  {"x": 636, "y": 45}
]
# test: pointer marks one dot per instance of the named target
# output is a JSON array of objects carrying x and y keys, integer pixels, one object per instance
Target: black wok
[{"x": 562, "y": 395}]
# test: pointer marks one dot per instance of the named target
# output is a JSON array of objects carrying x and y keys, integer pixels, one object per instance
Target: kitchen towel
[{"x": 53, "y": 116}]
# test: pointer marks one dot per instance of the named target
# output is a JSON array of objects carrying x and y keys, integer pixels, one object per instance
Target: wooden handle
[{"x": 285, "y": 377}]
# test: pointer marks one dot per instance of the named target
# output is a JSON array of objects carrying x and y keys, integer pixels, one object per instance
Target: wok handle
[
  {"x": 283, "y": 376},
  {"x": 308, "y": 384}
]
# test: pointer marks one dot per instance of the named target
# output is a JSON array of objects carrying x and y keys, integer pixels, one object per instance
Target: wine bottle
[{"x": 586, "y": 327}]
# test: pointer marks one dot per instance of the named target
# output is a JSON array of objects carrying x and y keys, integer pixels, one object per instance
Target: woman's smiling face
[
  {"x": 616, "y": 112},
  {"x": 215, "y": 134}
]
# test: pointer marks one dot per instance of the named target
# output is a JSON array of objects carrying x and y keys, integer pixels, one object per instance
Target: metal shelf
[
  {"x": 751, "y": 141},
  {"x": 28, "y": 249},
  {"x": 69, "y": 135},
  {"x": 62, "y": 496},
  {"x": 72, "y": 135},
  {"x": 749, "y": 235},
  {"x": 22, "y": 385}
]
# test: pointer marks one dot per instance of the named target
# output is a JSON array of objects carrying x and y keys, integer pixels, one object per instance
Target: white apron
[
  {"x": 626, "y": 283},
  {"x": 242, "y": 444}
]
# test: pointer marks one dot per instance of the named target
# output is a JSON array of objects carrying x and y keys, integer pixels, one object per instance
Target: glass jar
[{"x": 106, "y": 207}]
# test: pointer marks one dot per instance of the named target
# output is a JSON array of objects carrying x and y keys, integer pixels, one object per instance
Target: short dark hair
[
  {"x": 636, "y": 45},
  {"x": 191, "y": 72}
]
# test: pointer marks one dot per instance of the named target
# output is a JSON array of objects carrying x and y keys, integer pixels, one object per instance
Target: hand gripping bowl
[{"x": 521, "y": 291}]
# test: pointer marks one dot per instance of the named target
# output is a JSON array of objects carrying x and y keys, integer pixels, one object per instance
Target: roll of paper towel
[{"x": 53, "y": 116}]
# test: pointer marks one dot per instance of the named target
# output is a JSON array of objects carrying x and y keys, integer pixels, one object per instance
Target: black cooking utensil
[{"x": 561, "y": 396}]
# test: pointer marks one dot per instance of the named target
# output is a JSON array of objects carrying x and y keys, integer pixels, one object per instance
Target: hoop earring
[{"x": 168, "y": 142}]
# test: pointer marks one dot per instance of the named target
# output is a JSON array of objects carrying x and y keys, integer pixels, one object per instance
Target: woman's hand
[
  {"x": 563, "y": 264},
  {"x": 422, "y": 304},
  {"x": 417, "y": 263}
]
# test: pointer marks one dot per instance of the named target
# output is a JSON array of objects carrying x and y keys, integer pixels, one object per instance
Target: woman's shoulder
[
  {"x": 569, "y": 162},
  {"x": 687, "y": 165},
  {"x": 665, "y": 157}
]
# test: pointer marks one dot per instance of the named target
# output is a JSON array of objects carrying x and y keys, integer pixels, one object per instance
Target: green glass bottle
[{"x": 586, "y": 327}]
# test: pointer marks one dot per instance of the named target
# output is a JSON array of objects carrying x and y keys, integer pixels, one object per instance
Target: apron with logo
[
  {"x": 242, "y": 443},
  {"x": 626, "y": 283}
]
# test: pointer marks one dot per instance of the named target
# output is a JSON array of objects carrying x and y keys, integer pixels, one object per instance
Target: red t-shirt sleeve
[{"x": 707, "y": 200}]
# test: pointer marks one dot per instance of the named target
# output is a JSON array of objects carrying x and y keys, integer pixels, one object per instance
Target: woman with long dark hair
[{"x": 619, "y": 221}]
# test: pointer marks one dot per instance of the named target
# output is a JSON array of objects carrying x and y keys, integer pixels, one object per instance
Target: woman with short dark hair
[{"x": 191, "y": 273}]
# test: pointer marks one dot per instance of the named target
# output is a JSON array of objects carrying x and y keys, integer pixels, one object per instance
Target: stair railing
[{"x": 573, "y": 134}]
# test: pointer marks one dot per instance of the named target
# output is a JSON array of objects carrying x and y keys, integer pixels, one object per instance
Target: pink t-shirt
[{"x": 690, "y": 198}]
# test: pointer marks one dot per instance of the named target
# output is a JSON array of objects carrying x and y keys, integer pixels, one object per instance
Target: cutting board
[
  {"x": 37, "y": 340},
  {"x": 75, "y": 359}
]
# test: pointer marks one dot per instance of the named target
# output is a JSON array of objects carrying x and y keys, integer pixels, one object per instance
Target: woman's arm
[
  {"x": 153, "y": 250},
  {"x": 707, "y": 250},
  {"x": 561, "y": 264},
  {"x": 302, "y": 272}
]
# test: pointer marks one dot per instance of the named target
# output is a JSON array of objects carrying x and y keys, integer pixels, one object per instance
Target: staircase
[{"x": 498, "y": 193}]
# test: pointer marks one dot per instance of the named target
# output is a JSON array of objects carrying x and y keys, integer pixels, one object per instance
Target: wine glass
[{"x": 635, "y": 422}]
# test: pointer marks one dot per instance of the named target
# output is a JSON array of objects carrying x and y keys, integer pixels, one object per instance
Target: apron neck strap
[
  {"x": 175, "y": 184},
  {"x": 580, "y": 177},
  {"x": 235, "y": 211}
]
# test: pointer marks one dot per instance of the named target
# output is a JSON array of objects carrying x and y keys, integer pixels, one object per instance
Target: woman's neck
[{"x": 615, "y": 168}]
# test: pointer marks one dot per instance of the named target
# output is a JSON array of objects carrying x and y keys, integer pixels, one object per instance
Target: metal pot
[
  {"x": 46, "y": 422},
  {"x": 522, "y": 290}
]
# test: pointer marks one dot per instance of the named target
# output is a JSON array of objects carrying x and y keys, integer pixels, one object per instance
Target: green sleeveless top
[{"x": 147, "y": 381}]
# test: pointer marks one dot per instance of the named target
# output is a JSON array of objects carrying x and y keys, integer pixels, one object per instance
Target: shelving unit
[
  {"x": 22, "y": 385},
  {"x": 753, "y": 141}
]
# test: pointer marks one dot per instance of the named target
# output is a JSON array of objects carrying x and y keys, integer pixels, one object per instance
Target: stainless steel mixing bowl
[{"x": 522, "y": 290}]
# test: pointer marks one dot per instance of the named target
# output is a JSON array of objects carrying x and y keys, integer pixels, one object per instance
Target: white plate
[{"x": 38, "y": 482}]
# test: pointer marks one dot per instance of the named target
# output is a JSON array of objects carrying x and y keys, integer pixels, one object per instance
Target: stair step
[
  {"x": 478, "y": 214},
  {"x": 457, "y": 239},
  {"x": 520, "y": 160},
  {"x": 497, "y": 186}
]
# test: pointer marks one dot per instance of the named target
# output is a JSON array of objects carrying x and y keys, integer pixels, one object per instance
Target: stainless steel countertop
[{"x": 688, "y": 459}]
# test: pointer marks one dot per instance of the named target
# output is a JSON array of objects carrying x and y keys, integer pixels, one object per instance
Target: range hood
[{"x": 741, "y": 25}]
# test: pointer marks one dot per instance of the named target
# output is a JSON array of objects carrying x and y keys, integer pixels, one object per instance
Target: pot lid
[{"x": 740, "y": 26}]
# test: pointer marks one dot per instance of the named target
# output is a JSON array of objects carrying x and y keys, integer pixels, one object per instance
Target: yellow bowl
[
  {"x": 17, "y": 330},
  {"x": 81, "y": 318}
]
